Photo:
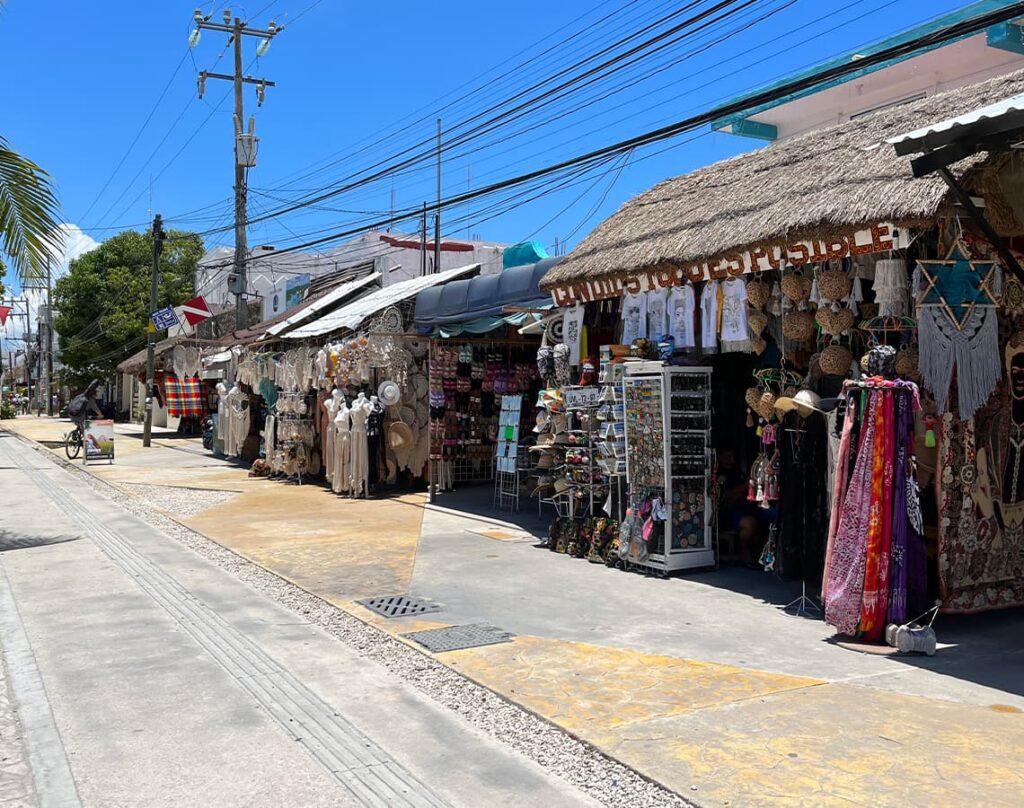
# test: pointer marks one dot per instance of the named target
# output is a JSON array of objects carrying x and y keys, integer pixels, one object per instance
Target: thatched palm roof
[{"x": 840, "y": 178}]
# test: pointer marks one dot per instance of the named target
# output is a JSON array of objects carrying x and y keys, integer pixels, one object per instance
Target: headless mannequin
[
  {"x": 341, "y": 475},
  {"x": 222, "y": 407},
  {"x": 360, "y": 461},
  {"x": 331, "y": 405}
]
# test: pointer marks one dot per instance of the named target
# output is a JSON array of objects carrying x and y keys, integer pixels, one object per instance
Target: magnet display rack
[{"x": 668, "y": 440}]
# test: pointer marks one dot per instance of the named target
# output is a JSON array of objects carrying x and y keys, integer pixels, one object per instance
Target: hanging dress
[
  {"x": 329, "y": 408},
  {"x": 360, "y": 455},
  {"x": 709, "y": 317},
  {"x": 341, "y": 467}
]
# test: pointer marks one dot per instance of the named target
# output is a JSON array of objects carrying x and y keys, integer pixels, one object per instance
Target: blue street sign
[{"x": 164, "y": 318}]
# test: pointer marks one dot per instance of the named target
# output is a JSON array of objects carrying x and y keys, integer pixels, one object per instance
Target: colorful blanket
[{"x": 185, "y": 398}]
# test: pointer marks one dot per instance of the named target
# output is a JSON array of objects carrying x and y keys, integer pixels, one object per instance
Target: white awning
[
  {"x": 951, "y": 127},
  {"x": 219, "y": 358},
  {"x": 350, "y": 317},
  {"x": 320, "y": 304}
]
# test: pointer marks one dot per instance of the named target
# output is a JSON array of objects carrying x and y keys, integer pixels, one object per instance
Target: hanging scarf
[
  {"x": 876, "y": 562},
  {"x": 845, "y": 572},
  {"x": 897, "y": 606},
  {"x": 973, "y": 350},
  {"x": 839, "y": 483}
]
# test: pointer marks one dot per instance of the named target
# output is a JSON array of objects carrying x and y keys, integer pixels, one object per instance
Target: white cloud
[{"x": 74, "y": 242}]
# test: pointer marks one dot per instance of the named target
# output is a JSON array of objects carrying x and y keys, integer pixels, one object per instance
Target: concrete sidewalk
[
  {"x": 151, "y": 677},
  {"x": 702, "y": 682}
]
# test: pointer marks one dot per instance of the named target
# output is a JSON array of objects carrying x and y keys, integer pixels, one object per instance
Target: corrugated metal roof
[
  {"x": 322, "y": 304},
  {"x": 1013, "y": 104},
  {"x": 350, "y": 317},
  {"x": 484, "y": 296}
]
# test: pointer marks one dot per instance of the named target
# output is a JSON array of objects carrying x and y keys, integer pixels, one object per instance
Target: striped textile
[{"x": 185, "y": 398}]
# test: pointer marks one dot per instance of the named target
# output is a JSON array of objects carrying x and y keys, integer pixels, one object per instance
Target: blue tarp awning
[{"x": 478, "y": 304}]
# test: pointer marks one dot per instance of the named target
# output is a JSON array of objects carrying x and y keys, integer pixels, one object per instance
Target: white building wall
[{"x": 269, "y": 272}]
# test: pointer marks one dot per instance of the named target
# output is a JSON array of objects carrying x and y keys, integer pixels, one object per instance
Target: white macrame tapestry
[{"x": 957, "y": 328}]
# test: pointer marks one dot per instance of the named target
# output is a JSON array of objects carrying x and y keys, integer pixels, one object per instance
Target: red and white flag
[
  {"x": 196, "y": 310},
  {"x": 4, "y": 311}
]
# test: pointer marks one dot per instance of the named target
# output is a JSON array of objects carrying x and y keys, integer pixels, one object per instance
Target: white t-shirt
[
  {"x": 572, "y": 332},
  {"x": 735, "y": 336},
  {"x": 709, "y": 317},
  {"x": 657, "y": 313},
  {"x": 681, "y": 307},
  {"x": 634, "y": 317}
]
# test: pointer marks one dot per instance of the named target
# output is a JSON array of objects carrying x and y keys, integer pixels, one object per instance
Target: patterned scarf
[{"x": 845, "y": 571}]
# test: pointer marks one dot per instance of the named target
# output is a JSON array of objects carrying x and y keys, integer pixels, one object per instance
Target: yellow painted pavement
[{"x": 718, "y": 734}]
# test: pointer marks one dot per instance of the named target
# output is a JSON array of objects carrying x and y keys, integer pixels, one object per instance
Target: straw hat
[
  {"x": 389, "y": 393},
  {"x": 401, "y": 441},
  {"x": 407, "y": 415},
  {"x": 805, "y": 402},
  {"x": 420, "y": 385}
]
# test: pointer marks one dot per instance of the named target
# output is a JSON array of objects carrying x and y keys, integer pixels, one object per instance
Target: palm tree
[{"x": 29, "y": 232}]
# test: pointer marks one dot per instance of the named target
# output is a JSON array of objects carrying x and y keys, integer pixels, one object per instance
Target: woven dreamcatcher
[{"x": 957, "y": 327}]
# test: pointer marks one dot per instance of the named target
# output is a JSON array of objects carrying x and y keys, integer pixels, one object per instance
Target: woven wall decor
[
  {"x": 834, "y": 323},
  {"x": 798, "y": 326}
]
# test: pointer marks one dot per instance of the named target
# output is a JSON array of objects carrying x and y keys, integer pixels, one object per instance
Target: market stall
[
  {"x": 478, "y": 362},
  {"x": 851, "y": 332}
]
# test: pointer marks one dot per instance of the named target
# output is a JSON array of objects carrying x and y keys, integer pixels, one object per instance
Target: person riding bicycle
[{"x": 79, "y": 408}]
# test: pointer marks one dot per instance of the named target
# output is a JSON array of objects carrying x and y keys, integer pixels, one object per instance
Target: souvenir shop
[
  {"x": 838, "y": 407},
  {"x": 483, "y": 372},
  {"x": 341, "y": 398}
]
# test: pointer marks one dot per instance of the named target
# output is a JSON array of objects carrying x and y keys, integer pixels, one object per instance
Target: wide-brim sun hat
[
  {"x": 805, "y": 402},
  {"x": 389, "y": 393}
]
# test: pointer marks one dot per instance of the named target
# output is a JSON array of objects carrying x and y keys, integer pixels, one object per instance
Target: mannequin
[
  {"x": 331, "y": 405},
  {"x": 341, "y": 466},
  {"x": 360, "y": 461},
  {"x": 239, "y": 420},
  {"x": 222, "y": 411},
  {"x": 374, "y": 440}
]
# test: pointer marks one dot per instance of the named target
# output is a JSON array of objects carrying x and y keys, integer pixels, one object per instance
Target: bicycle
[{"x": 73, "y": 442}]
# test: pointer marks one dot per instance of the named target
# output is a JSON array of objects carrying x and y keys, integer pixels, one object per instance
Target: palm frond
[{"x": 29, "y": 233}]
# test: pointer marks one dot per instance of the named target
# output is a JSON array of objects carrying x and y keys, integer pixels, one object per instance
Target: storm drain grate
[
  {"x": 399, "y": 605},
  {"x": 455, "y": 638}
]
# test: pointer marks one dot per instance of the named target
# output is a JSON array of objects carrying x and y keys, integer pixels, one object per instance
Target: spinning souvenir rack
[{"x": 668, "y": 458}]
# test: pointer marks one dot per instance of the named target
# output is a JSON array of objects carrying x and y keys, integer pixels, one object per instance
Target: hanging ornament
[{"x": 956, "y": 313}]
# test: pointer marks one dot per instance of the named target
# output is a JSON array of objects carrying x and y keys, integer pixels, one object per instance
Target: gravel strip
[
  {"x": 177, "y": 500},
  {"x": 603, "y": 779}
]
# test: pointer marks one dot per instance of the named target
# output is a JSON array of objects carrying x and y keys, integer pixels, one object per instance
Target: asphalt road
[{"x": 139, "y": 674}]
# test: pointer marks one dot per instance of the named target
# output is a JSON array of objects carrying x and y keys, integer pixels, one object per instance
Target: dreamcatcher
[{"x": 387, "y": 350}]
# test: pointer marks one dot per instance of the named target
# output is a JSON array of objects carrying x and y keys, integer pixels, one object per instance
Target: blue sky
[{"x": 82, "y": 77}]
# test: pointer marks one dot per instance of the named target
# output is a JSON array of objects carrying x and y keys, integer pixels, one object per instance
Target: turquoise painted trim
[
  {"x": 745, "y": 127},
  {"x": 1006, "y": 36},
  {"x": 953, "y": 17}
]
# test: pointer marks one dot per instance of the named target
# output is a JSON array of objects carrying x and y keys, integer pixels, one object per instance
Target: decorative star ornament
[{"x": 958, "y": 284}]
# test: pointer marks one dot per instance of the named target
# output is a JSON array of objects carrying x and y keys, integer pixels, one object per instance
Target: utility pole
[
  {"x": 437, "y": 210},
  {"x": 245, "y": 143},
  {"x": 49, "y": 340},
  {"x": 423, "y": 240},
  {"x": 154, "y": 286}
]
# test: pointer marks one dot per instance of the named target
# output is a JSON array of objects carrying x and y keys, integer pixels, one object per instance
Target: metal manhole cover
[
  {"x": 455, "y": 638},
  {"x": 399, "y": 605}
]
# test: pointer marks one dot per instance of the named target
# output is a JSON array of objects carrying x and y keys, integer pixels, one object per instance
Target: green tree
[
  {"x": 28, "y": 214},
  {"x": 102, "y": 303}
]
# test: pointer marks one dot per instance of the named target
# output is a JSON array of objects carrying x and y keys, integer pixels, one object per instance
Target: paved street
[
  {"x": 736, "y": 704},
  {"x": 144, "y": 675}
]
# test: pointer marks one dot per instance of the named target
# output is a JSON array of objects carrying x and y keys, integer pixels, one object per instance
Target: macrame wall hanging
[{"x": 957, "y": 327}]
